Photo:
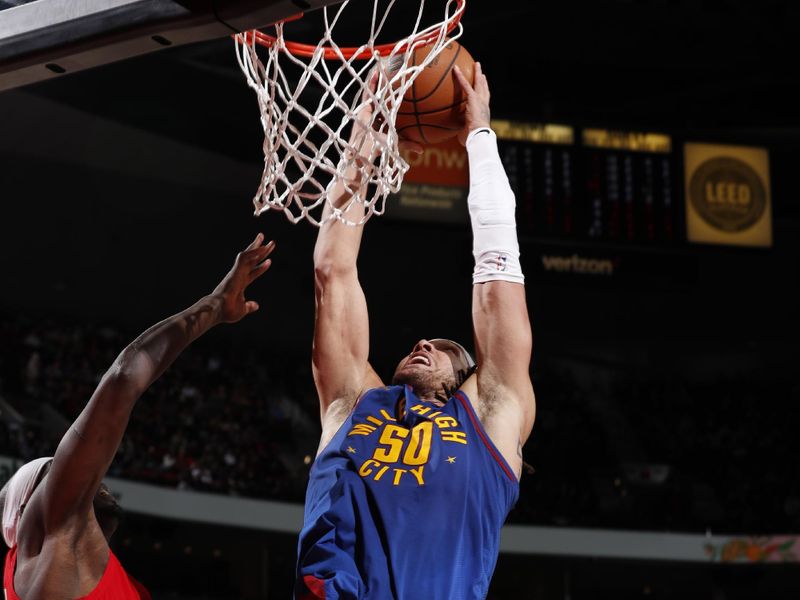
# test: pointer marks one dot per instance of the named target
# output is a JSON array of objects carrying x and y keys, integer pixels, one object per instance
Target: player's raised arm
[
  {"x": 88, "y": 447},
  {"x": 503, "y": 339},
  {"x": 341, "y": 332}
]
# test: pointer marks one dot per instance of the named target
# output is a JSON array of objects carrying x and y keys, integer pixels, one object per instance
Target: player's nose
[{"x": 423, "y": 345}]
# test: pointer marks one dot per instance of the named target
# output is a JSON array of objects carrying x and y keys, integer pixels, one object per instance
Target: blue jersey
[{"x": 405, "y": 502}]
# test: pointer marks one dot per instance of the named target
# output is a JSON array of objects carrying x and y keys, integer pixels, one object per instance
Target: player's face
[
  {"x": 425, "y": 368},
  {"x": 106, "y": 508}
]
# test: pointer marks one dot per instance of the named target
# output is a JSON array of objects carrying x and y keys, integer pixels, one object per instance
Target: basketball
[{"x": 433, "y": 109}]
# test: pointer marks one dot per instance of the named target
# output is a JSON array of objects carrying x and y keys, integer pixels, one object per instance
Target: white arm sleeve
[{"x": 491, "y": 210}]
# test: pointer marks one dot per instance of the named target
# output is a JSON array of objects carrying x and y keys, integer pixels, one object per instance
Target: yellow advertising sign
[
  {"x": 543, "y": 133},
  {"x": 728, "y": 195},
  {"x": 634, "y": 141}
]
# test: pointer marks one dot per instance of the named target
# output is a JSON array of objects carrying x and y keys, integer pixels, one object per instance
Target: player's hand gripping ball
[{"x": 433, "y": 108}]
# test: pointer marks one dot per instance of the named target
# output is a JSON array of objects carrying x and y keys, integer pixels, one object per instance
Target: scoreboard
[
  {"x": 614, "y": 187},
  {"x": 601, "y": 188}
]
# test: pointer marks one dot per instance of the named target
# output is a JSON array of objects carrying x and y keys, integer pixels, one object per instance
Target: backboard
[{"x": 44, "y": 39}]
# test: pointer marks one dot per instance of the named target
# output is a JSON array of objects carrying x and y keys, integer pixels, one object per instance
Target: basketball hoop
[{"x": 308, "y": 96}]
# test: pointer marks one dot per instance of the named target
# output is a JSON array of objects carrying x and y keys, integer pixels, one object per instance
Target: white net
[{"x": 309, "y": 97}]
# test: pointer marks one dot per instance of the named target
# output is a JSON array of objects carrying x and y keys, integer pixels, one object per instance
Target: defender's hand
[
  {"x": 477, "y": 112},
  {"x": 251, "y": 263}
]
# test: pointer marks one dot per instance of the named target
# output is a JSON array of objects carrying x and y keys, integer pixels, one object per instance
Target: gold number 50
[{"x": 394, "y": 438}]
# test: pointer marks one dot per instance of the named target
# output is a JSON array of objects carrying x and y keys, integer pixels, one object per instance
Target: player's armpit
[
  {"x": 507, "y": 416},
  {"x": 340, "y": 408}
]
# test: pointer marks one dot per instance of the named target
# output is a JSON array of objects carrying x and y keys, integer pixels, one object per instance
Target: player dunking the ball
[
  {"x": 58, "y": 517},
  {"x": 412, "y": 482}
]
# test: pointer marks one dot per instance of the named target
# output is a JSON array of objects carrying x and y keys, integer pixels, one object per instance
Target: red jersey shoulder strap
[{"x": 8, "y": 574}]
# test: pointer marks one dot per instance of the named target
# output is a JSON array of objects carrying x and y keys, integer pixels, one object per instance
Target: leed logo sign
[{"x": 728, "y": 194}]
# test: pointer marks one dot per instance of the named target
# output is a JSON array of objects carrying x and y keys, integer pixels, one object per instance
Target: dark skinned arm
[{"x": 87, "y": 449}]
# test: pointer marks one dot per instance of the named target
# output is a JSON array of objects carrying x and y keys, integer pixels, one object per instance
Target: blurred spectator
[
  {"x": 614, "y": 449},
  {"x": 215, "y": 422}
]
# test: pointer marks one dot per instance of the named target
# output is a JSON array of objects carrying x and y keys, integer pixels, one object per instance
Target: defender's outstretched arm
[{"x": 88, "y": 447}]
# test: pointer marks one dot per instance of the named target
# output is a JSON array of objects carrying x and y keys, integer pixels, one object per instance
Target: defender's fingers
[
  {"x": 250, "y": 306},
  {"x": 260, "y": 270},
  {"x": 256, "y": 242},
  {"x": 262, "y": 252},
  {"x": 256, "y": 255},
  {"x": 263, "y": 264}
]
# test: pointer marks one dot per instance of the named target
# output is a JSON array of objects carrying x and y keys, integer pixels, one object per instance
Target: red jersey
[{"x": 115, "y": 584}]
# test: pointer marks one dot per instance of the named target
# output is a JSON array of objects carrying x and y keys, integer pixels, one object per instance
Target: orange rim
[{"x": 307, "y": 50}]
